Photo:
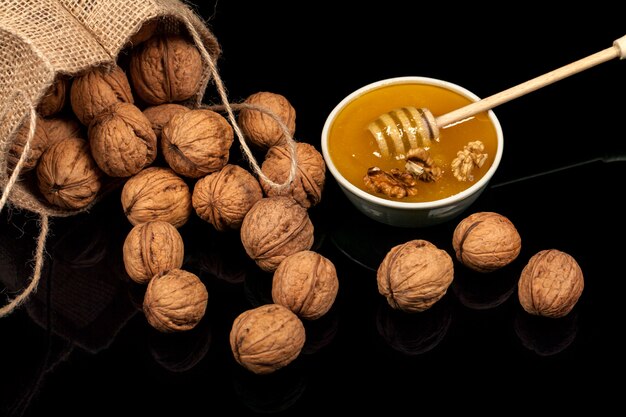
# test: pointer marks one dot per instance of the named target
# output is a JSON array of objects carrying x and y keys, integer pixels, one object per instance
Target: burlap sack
[{"x": 42, "y": 38}]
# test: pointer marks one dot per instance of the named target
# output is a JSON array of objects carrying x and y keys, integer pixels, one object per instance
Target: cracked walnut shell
[
  {"x": 67, "y": 175},
  {"x": 166, "y": 68},
  {"x": 274, "y": 228},
  {"x": 223, "y": 198},
  {"x": 122, "y": 140},
  {"x": 306, "y": 283},
  {"x": 415, "y": 275},
  {"x": 156, "y": 193},
  {"x": 261, "y": 129},
  {"x": 486, "y": 241},
  {"x": 197, "y": 142},
  {"x": 550, "y": 284},
  {"x": 98, "y": 89},
  {"x": 308, "y": 183},
  {"x": 150, "y": 249},
  {"x": 175, "y": 301},
  {"x": 266, "y": 338}
]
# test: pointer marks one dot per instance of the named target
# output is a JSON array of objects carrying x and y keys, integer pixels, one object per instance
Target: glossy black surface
[{"x": 82, "y": 346}]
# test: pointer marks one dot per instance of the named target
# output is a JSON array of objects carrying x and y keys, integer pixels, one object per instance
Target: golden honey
[{"x": 353, "y": 149}]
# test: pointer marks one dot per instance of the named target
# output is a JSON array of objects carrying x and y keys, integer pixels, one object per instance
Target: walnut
[
  {"x": 308, "y": 184},
  {"x": 274, "y": 228},
  {"x": 550, "y": 284},
  {"x": 59, "y": 128},
  {"x": 395, "y": 183},
  {"x": 67, "y": 175},
  {"x": 38, "y": 145},
  {"x": 306, "y": 283},
  {"x": 415, "y": 275},
  {"x": 467, "y": 160},
  {"x": 98, "y": 89},
  {"x": 166, "y": 68},
  {"x": 55, "y": 97},
  {"x": 156, "y": 193},
  {"x": 152, "y": 248},
  {"x": 122, "y": 140},
  {"x": 197, "y": 142},
  {"x": 223, "y": 198},
  {"x": 175, "y": 301},
  {"x": 160, "y": 114},
  {"x": 486, "y": 241},
  {"x": 266, "y": 338},
  {"x": 261, "y": 129},
  {"x": 422, "y": 165}
]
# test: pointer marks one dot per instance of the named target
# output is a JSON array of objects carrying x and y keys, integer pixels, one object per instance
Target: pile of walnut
[
  {"x": 133, "y": 122},
  {"x": 415, "y": 275},
  {"x": 420, "y": 166}
]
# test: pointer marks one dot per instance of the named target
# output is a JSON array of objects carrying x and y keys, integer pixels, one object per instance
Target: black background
[{"x": 82, "y": 346}]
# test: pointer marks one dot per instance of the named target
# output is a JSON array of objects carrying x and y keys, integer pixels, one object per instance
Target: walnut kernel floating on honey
[
  {"x": 422, "y": 165},
  {"x": 550, "y": 284},
  {"x": 486, "y": 241},
  {"x": 395, "y": 183},
  {"x": 415, "y": 275},
  {"x": 469, "y": 158},
  {"x": 266, "y": 338}
]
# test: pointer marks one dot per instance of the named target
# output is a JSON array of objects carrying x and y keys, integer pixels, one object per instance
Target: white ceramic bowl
[{"x": 409, "y": 214}]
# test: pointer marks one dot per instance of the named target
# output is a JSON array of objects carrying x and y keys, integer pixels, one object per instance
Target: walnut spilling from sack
[
  {"x": 470, "y": 157},
  {"x": 397, "y": 183}
]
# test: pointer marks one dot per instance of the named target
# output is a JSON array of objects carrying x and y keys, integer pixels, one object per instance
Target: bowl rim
[{"x": 404, "y": 205}]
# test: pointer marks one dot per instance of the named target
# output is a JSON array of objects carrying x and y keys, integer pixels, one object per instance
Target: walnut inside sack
[
  {"x": 550, "y": 284},
  {"x": 122, "y": 140},
  {"x": 260, "y": 128},
  {"x": 306, "y": 283},
  {"x": 415, "y": 275},
  {"x": 175, "y": 301},
  {"x": 156, "y": 193},
  {"x": 223, "y": 198},
  {"x": 274, "y": 228},
  {"x": 38, "y": 145},
  {"x": 152, "y": 248},
  {"x": 486, "y": 241},
  {"x": 308, "y": 184},
  {"x": 266, "y": 338},
  {"x": 196, "y": 142},
  {"x": 160, "y": 114},
  {"x": 166, "y": 68},
  {"x": 67, "y": 175},
  {"x": 98, "y": 89},
  {"x": 53, "y": 101}
]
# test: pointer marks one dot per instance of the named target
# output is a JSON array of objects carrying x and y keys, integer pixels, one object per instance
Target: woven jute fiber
[{"x": 40, "y": 39}]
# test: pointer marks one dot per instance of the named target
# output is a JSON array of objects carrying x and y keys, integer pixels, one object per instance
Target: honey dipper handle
[{"x": 618, "y": 50}]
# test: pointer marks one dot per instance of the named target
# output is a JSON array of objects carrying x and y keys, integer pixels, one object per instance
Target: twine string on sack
[{"x": 228, "y": 107}]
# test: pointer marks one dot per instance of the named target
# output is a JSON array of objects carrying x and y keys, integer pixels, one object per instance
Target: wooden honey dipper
[{"x": 406, "y": 128}]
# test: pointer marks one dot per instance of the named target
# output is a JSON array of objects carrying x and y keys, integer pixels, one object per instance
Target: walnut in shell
[
  {"x": 59, "y": 128},
  {"x": 152, "y": 248},
  {"x": 223, "y": 198},
  {"x": 415, "y": 275},
  {"x": 175, "y": 301},
  {"x": 308, "y": 184},
  {"x": 306, "y": 283},
  {"x": 98, "y": 89},
  {"x": 54, "y": 98},
  {"x": 160, "y": 114},
  {"x": 266, "y": 338},
  {"x": 156, "y": 193},
  {"x": 67, "y": 175},
  {"x": 166, "y": 68},
  {"x": 486, "y": 241},
  {"x": 38, "y": 145},
  {"x": 260, "y": 128},
  {"x": 550, "y": 284},
  {"x": 197, "y": 142},
  {"x": 274, "y": 228},
  {"x": 122, "y": 140}
]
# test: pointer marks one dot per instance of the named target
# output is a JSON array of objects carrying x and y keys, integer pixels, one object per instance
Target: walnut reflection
[
  {"x": 321, "y": 332},
  {"x": 414, "y": 333},
  {"x": 483, "y": 291},
  {"x": 545, "y": 336}
]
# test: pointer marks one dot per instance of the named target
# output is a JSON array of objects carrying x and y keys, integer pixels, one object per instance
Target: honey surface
[{"x": 353, "y": 149}]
